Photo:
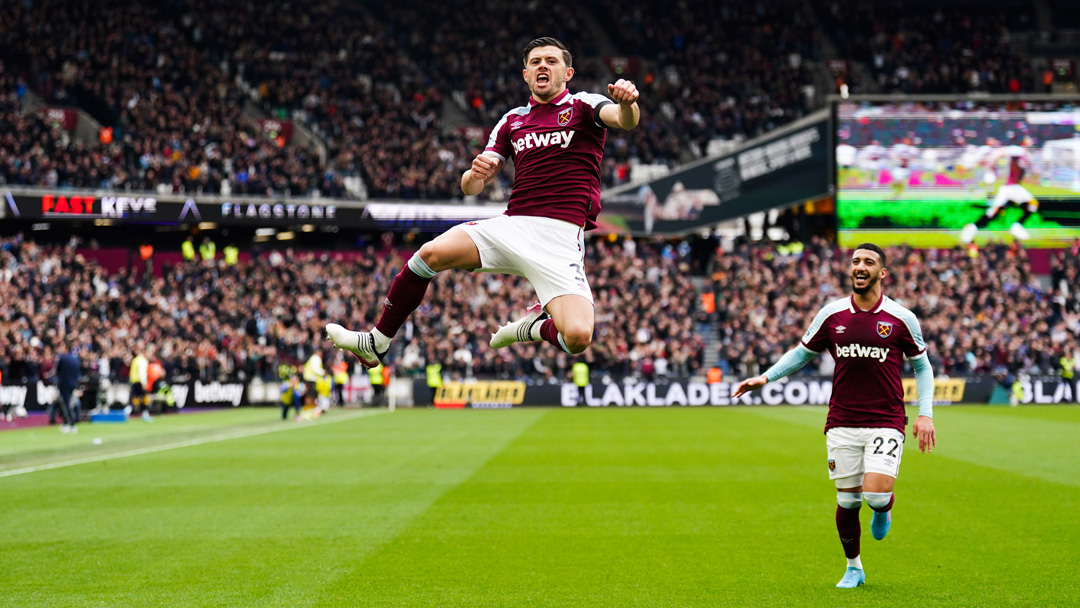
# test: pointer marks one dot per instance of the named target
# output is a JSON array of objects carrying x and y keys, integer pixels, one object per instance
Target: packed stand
[
  {"x": 350, "y": 78},
  {"x": 981, "y": 311},
  {"x": 726, "y": 71},
  {"x": 477, "y": 57},
  {"x": 37, "y": 152},
  {"x": 933, "y": 47},
  {"x": 374, "y": 88},
  {"x": 212, "y": 321},
  {"x": 178, "y": 123},
  {"x": 648, "y": 322}
]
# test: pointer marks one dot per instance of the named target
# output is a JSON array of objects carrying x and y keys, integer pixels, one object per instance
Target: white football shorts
[
  {"x": 549, "y": 253},
  {"x": 855, "y": 451},
  {"x": 1012, "y": 193}
]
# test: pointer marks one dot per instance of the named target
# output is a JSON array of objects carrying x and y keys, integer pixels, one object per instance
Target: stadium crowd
[
  {"x": 982, "y": 311},
  {"x": 214, "y": 321},
  {"x": 374, "y": 82},
  {"x": 934, "y": 47},
  {"x": 33, "y": 151},
  {"x": 730, "y": 71},
  {"x": 171, "y": 81}
]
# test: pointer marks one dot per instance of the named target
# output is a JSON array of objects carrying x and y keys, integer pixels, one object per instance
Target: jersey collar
[
  {"x": 558, "y": 101},
  {"x": 875, "y": 309}
]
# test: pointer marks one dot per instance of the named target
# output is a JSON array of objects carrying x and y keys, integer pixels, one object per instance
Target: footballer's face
[
  {"x": 866, "y": 271},
  {"x": 546, "y": 73}
]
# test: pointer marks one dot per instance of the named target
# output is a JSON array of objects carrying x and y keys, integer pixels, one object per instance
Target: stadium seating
[
  {"x": 934, "y": 47},
  {"x": 213, "y": 322},
  {"x": 398, "y": 92},
  {"x": 216, "y": 321},
  {"x": 35, "y": 152},
  {"x": 737, "y": 70}
]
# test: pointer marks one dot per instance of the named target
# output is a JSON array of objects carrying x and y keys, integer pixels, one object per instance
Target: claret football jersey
[
  {"x": 557, "y": 148},
  {"x": 869, "y": 347}
]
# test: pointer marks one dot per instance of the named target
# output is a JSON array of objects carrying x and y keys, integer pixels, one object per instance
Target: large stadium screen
[{"x": 945, "y": 173}]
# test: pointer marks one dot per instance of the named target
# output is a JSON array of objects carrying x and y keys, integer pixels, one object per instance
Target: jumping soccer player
[
  {"x": 868, "y": 335},
  {"x": 1012, "y": 192},
  {"x": 556, "y": 142}
]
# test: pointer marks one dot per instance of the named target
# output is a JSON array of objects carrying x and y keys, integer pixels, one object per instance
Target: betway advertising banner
[
  {"x": 38, "y": 395},
  {"x": 780, "y": 169},
  {"x": 498, "y": 394}
]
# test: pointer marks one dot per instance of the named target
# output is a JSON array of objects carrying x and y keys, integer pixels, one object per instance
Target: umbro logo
[
  {"x": 515, "y": 125},
  {"x": 840, "y": 329}
]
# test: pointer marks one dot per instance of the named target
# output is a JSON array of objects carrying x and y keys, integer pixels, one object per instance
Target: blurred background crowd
[
  {"x": 393, "y": 100},
  {"x": 982, "y": 311}
]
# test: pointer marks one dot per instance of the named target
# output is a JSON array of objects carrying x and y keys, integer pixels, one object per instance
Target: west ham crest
[
  {"x": 832, "y": 465},
  {"x": 564, "y": 116},
  {"x": 884, "y": 329}
]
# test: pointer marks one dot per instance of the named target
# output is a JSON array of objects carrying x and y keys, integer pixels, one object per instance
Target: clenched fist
[
  {"x": 484, "y": 167},
  {"x": 623, "y": 92}
]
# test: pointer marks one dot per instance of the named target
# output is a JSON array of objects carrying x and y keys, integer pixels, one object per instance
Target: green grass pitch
[{"x": 530, "y": 507}]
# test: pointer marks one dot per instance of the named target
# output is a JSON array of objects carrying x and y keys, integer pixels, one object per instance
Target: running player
[
  {"x": 902, "y": 156},
  {"x": 1012, "y": 192},
  {"x": 556, "y": 142},
  {"x": 868, "y": 335}
]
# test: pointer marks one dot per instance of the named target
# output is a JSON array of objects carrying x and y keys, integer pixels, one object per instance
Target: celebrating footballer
[
  {"x": 868, "y": 335},
  {"x": 556, "y": 142}
]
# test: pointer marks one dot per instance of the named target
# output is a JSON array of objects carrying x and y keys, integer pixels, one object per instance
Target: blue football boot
[
  {"x": 879, "y": 526},
  {"x": 852, "y": 578}
]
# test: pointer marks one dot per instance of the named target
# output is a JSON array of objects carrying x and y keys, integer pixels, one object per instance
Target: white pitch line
[{"x": 179, "y": 444}]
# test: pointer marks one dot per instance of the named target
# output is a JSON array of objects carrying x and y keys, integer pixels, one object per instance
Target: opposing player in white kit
[
  {"x": 902, "y": 156},
  {"x": 868, "y": 335},
  {"x": 1012, "y": 192},
  {"x": 557, "y": 143}
]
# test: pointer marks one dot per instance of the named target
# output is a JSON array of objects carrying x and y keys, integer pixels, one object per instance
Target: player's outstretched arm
[
  {"x": 483, "y": 170},
  {"x": 792, "y": 361},
  {"x": 624, "y": 114}
]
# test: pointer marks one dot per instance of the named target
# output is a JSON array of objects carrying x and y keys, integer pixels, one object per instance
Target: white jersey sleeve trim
[
  {"x": 593, "y": 99},
  {"x": 597, "y": 101},
  {"x": 910, "y": 321},
  {"x": 826, "y": 311},
  {"x": 493, "y": 138}
]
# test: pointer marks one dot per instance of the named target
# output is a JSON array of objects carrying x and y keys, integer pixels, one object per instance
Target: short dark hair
[
  {"x": 547, "y": 41},
  {"x": 875, "y": 249}
]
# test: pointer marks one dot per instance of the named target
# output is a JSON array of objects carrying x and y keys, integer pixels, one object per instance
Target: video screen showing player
[{"x": 942, "y": 174}]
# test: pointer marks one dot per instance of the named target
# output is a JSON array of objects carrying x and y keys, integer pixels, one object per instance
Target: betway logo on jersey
[
  {"x": 858, "y": 350},
  {"x": 537, "y": 140}
]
